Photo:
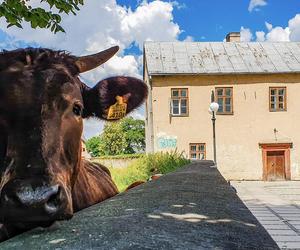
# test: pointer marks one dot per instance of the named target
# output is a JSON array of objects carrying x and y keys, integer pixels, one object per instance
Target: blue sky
[
  {"x": 215, "y": 18},
  {"x": 128, "y": 23},
  {"x": 212, "y": 20}
]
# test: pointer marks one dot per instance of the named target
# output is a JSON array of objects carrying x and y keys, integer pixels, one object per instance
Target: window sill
[
  {"x": 179, "y": 115},
  {"x": 224, "y": 113},
  {"x": 274, "y": 111}
]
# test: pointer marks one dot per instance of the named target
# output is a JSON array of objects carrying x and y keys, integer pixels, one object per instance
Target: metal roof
[{"x": 220, "y": 58}]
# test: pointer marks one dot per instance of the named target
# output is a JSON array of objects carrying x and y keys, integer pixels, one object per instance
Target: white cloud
[
  {"x": 254, "y": 4},
  {"x": 118, "y": 65},
  {"x": 246, "y": 34},
  {"x": 269, "y": 26},
  {"x": 278, "y": 33},
  {"x": 179, "y": 5},
  {"x": 189, "y": 39},
  {"x": 137, "y": 114},
  {"x": 260, "y": 36},
  {"x": 150, "y": 22},
  {"x": 92, "y": 127},
  {"x": 282, "y": 34},
  {"x": 294, "y": 26}
]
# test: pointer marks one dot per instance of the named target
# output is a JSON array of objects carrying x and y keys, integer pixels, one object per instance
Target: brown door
[{"x": 275, "y": 166}]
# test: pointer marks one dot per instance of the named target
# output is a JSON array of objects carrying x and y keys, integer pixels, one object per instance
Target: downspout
[
  {"x": 149, "y": 110},
  {"x": 150, "y": 121}
]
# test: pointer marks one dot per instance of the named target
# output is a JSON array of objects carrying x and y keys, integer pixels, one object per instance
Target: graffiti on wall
[{"x": 165, "y": 141}]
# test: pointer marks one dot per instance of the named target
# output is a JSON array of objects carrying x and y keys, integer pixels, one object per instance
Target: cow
[{"x": 43, "y": 102}]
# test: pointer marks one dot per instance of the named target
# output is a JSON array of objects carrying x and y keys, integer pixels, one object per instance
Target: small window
[
  {"x": 224, "y": 98},
  {"x": 277, "y": 99},
  {"x": 197, "y": 151},
  {"x": 179, "y": 102}
]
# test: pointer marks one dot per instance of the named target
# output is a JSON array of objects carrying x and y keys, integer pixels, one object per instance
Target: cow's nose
[{"x": 46, "y": 199}]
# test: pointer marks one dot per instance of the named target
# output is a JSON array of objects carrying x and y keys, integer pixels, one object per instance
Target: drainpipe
[{"x": 150, "y": 118}]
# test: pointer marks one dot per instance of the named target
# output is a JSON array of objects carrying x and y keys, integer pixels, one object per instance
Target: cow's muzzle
[{"x": 25, "y": 201}]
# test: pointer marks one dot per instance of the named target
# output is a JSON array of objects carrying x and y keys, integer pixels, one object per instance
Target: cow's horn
[{"x": 86, "y": 63}]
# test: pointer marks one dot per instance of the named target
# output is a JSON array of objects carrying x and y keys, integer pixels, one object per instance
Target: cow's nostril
[{"x": 53, "y": 203}]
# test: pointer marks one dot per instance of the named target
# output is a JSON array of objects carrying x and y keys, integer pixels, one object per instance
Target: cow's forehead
[{"x": 27, "y": 95}]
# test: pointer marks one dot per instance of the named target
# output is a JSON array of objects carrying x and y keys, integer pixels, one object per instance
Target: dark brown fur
[{"x": 40, "y": 134}]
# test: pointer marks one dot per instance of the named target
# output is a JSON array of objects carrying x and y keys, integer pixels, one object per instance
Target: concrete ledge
[{"x": 193, "y": 208}]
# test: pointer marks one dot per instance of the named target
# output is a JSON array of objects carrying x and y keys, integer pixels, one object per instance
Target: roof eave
[{"x": 222, "y": 74}]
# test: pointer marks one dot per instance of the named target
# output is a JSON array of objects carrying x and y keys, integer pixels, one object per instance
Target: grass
[{"x": 144, "y": 167}]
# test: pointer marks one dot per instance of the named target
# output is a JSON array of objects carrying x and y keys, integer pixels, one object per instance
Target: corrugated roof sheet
[{"x": 222, "y": 57}]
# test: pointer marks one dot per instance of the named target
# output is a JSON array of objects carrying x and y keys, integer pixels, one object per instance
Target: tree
[
  {"x": 93, "y": 146},
  {"x": 134, "y": 134},
  {"x": 113, "y": 141},
  {"x": 16, "y": 11},
  {"x": 124, "y": 137}
]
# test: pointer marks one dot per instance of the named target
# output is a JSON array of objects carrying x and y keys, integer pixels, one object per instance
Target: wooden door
[{"x": 275, "y": 166}]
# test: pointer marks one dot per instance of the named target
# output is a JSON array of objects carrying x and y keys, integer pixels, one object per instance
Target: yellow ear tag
[{"x": 118, "y": 110}]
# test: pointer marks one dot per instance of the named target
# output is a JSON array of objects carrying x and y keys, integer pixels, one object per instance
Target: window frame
[
  {"x": 277, "y": 98},
  {"x": 197, "y": 152},
  {"x": 224, "y": 112},
  {"x": 179, "y": 98}
]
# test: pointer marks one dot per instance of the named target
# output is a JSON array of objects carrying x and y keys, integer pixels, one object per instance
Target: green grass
[{"x": 146, "y": 166}]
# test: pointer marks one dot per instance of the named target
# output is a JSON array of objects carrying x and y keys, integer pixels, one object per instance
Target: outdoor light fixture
[{"x": 213, "y": 108}]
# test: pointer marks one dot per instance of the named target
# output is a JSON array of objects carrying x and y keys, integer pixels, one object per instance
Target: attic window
[{"x": 179, "y": 102}]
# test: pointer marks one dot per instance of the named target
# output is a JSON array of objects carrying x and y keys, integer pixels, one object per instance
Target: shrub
[{"x": 147, "y": 165}]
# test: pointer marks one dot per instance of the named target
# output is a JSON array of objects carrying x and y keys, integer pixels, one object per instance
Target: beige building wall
[{"x": 238, "y": 135}]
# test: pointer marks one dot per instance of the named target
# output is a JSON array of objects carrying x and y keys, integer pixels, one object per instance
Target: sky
[{"x": 128, "y": 23}]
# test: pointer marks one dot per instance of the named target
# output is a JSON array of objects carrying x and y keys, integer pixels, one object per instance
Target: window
[
  {"x": 277, "y": 99},
  {"x": 225, "y": 100},
  {"x": 197, "y": 151},
  {"x": 179, "y": 102}
]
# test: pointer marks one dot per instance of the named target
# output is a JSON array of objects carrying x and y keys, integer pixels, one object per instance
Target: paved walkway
[
  {"x": 193, "y": 208},
  {"x": 277, "y": 207}
]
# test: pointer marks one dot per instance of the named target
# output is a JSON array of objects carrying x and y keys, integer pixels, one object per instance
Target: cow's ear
[{"x": 128, "y": 92}]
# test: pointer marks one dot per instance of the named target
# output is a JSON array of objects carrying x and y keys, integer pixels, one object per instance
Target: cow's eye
[{"x": 77, "y": 109}]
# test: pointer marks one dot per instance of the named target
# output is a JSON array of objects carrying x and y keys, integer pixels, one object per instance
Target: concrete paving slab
[
  {"x": 266, "y": 217},
  {"x": 294, "y": 217},
  {"x": 279, "y": 199},
  {"x": 286, "y": 238},
  {"x": 282, "y": 232},
  {"x": 276, "y": 227},
  {"x": 193, "y": 208},
  {"x": 278, "y": 223}
]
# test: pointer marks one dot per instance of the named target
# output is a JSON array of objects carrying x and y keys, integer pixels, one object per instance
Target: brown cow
[{"x": 42, "y": 105}]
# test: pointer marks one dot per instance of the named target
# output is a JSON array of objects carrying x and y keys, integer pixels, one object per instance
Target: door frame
[{"x": 286, "y": 147}]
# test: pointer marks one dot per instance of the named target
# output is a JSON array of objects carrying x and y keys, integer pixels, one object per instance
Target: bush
[
  {"x": 122, "y": 156},
  {"x": 147, "y": 165}
]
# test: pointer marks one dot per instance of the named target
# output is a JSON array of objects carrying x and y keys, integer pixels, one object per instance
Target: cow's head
[{"x": 42, "y": 105}]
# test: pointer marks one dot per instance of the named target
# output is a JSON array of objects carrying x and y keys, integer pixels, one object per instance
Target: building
[{"x": 257, "y": 86}]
